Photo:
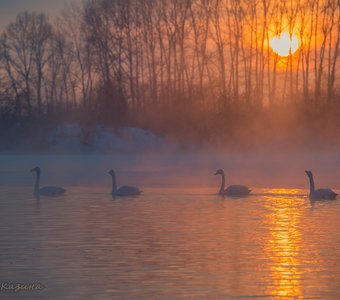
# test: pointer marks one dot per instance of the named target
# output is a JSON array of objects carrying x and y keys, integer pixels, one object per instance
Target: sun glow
[{"x": 284, "y": 44}]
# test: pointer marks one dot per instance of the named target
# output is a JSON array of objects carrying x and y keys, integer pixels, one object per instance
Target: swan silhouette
[
  {"x": 125, "y": 190},
  {"x": 232, "y": 190},
  {"x": 47, "y": 190},
  {"x": 319, "y": 194}
]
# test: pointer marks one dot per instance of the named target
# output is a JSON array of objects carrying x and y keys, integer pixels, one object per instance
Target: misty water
[{"x": 171, "y": 242}]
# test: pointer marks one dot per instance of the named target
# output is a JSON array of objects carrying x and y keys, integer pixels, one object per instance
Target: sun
[{"x": 284, "y": 44}]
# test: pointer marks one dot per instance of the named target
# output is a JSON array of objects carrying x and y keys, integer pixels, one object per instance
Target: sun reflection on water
[{"x": 284, "y": 243}]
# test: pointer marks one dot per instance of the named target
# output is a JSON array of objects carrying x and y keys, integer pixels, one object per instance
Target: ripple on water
[{"x": 85, "y": 245}]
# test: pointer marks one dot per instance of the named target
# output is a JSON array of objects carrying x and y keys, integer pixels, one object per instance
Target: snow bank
[{"x": 73, "y": 138}]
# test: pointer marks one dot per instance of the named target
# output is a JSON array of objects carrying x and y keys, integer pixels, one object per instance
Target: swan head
[
  {"x": 309, "y": 174},
  {"x": 112, "y": 173},
  {"x": 219, "y": 172},
  {"x": 36, "y": 169}
]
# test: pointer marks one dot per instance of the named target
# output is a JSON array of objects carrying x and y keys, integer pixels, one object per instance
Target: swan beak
[{"x": 216, "y": 173}]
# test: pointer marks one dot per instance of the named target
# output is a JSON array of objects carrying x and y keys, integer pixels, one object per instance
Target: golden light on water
[
  {"x": 283, "y": 245},
  {"x": 284, "y": 44}
]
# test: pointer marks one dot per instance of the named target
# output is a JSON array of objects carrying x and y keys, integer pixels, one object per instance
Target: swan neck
[
  {"x": 222, "y": 184},
  {"x": 311, "y": 184},
  {"x": 36, "y": 185},
  {"x": 114, "y": 184}
]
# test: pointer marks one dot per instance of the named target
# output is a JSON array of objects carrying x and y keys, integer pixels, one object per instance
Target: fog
[
  {"x": 272, "y": 152},
  {"x": 171, "y": 117},
  {"x": 179, "y": 169}
]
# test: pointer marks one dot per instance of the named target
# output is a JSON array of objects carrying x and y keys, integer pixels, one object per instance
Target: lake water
[{"x": 169, "y": 244}]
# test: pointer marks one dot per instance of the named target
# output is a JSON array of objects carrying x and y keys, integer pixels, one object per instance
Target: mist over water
[
  {"x": 178, "y": 239},
  {"x": 166, "y": 93},
  {"x": 261, "y": 153},
  {"x": 192, "y": 169}
]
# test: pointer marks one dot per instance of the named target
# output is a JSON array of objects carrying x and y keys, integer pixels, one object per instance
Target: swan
[
  {"x": 125, "y": 190},
  {"x": 232, "y": 190},
  {"x": 46, "y": 190},
  {"x": 319, "y": 194}
]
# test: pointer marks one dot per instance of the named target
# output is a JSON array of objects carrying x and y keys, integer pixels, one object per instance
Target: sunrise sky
[{"x": 10, "y": 8}]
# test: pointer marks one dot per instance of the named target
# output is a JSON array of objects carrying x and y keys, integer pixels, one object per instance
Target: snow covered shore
[{"x": 71, "y": 138}]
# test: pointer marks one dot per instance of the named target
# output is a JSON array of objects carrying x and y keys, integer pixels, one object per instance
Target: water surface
[{"x": 170, "y": 244}]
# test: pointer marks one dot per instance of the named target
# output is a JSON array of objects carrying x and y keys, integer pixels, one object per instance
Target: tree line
[{"x": 112, "y": 58}]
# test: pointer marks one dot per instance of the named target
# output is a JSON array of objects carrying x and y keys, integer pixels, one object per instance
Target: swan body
[
  {"x": 232, "y": 190},
  {"x": 319, "y": 194},
  {"x": 236, "y": 190},
  {"x": 47, "y": 190},
  {"x": 124, "y": 190}
]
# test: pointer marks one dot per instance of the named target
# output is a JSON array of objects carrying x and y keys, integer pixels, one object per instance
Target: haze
[
  {"x": 9, "y": 9},
  {"x": 185, "y": 86}
]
